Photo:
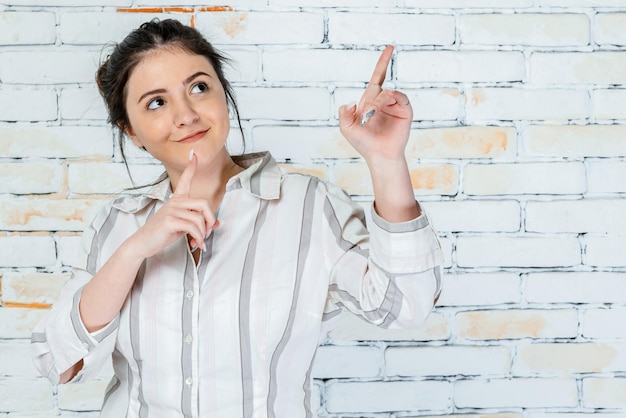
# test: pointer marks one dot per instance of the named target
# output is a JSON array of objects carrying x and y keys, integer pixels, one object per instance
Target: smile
[{"x": 193, "y": 137}]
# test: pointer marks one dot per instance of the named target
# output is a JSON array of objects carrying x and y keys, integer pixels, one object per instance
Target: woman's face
[{"x": 175, "y": 103}]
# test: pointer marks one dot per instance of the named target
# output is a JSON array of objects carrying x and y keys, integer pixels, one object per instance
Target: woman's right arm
[{"x": 104, "y": 294}]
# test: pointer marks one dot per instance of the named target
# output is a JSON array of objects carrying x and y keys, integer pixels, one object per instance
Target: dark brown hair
[{"x": 112, "y": 75}]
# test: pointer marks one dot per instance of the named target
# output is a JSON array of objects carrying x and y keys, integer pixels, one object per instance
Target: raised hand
[
  {"x": 181, "y": 215},
  {"x": 379, "y": 126}
]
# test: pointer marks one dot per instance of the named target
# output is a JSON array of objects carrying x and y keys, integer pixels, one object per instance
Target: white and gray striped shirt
[{"x": 235, "y": 335}]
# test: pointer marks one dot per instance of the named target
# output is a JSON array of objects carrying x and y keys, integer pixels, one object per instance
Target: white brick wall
[{"x": 518, "y": 154}]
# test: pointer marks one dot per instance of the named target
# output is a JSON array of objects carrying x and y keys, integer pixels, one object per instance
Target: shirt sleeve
[
  {"x": 60, "y": 339},
  {"x": 388, "y": 274}
]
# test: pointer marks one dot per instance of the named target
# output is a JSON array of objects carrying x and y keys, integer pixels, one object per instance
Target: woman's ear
[{"x": 131, "y": 134}]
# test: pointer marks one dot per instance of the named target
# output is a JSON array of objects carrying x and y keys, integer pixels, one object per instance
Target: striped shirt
[{"x": 235, "y": 336}]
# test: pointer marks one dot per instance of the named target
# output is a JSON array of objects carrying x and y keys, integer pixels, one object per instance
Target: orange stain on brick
[
  {"x": 27, "y": 305},
  {"x": 234, "y": 24},
  {"x": 19, "y": 215},
  {"x": 178, "y": 9},
  {"x": 501, "y": 325},
  {"x": 140, "y": 10},
  {"x": 431, "y": 178},
  {"x": 36, "y": 288},
  {"x": 216, "y": 9},
  {"x": 477, "y": 97}
]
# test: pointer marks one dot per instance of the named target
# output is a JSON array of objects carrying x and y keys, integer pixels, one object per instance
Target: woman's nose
[{"x": 185, "y": 113}]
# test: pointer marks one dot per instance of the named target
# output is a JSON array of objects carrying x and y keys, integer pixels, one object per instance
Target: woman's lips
[{"x": 193, "y": 137}]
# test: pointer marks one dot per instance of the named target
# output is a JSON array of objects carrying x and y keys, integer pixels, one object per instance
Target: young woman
[{"x": 210, "y": 290}]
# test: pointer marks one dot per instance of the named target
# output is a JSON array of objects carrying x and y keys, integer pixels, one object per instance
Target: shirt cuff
[{"x": 404, "y": 247}]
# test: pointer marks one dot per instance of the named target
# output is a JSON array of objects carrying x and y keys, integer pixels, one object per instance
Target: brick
[
  {"x": 517, "y": 323},
  {"x": 316, "y": 170},
  {"x": 87, "y": 396},
  {"x": 480, "y": 289},
  {"x": 335, "y": 3},
  {"x": 46, "y": 215},
  {"x": 27, "y": 105},
  {"x": 575, "y": 141},
  {"x": 209, "y": 9},
  {"x": 583, "y": 3},
  {"x": 605, "y": 324},
  {"x": 69, "y": 250},
  {"x": 384, "y": 29},
  {"x": 299, "y": 143},
  {"x": 427, "y": 103},
  {"x": 56, "y": 142},
  {"x": 18, "y": 323},
  {"x": 15, "y": 359},
  {"x": 426, "y": 178},
  {"x": 17, "y": 28},
  {"x": 605, "y": 251},
  {"x": 609, "y": 29},
  {"x": 576, "y": 287},
  {"x": 560, "y": 359},
  {"x": 25, "y": 394},
  {"x": 462, "y": 142},
  {"x": 32, "y": 288},
  {"x": 94, "y": 28},
  {"x": 463, "y": 4},
  {"x": 31, "y": 178},
  {"x": 524, "y": 178},
  {"x": 532, "y": 29},
  {"x": 252, "y": 27},
  {"x": 447, "y": 247},
  {"x": 447, "y": 361},
  {"x": 573, "y": 415},
  {"x": 312, "y": 65},
  {"x": 517, "y": 392},
  {"x": 351, "y": 328},
  {"x": 48, "y": 67},
  {"x": 347, "y": 361},
  {"x": 244, "y": 66},
  {"x": 104, "y": 178},
  {"x": 460, "y": 66},
  {"x": 387, "y": 396},
  {"x": 69, "y": 3},
  {"x": 313, "y": 103},
  {"x": 586, "y": 215},
  {"x": 474, "y": 215},
  {"x": 475, "y": 415},
  {"x": 578, "y": 68},
  {"x": 83, "y": 103},
  {"x": 607, "y": 104},
  {"x": 517, "y": 251},
  {"x": 604, "y": 392},
  {"x": 525, "y": 104},
  {"x": 27, "y": 251}
]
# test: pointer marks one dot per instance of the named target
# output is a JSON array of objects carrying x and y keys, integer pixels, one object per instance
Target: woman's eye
[
  {"x": 155, "y": 103},
  {"x": 199, "y": 88}
]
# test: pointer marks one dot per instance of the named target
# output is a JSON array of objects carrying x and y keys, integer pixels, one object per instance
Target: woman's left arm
[{"x": 378, "y": 128}]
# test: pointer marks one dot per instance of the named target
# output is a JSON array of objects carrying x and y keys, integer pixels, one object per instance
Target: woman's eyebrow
[{"x": 191, "y": 77}]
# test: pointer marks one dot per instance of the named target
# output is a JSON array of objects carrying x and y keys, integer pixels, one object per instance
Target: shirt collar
[{"x": 261, "y": 177}]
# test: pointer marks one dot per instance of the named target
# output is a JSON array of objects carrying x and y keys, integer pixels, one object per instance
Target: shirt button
[
  {"x": 85, "y": 345},
  {"x": 189, "y": 294},
  {"x": 188, "y": 338},
  {"x": 188, "y": 381}
]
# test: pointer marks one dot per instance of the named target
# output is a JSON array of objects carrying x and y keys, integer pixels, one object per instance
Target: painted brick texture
[{"x": 517, "y": 153}]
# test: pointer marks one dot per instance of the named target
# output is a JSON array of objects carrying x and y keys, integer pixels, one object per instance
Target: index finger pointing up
[
  {"x": 380, "y": 71},
  {"x": 184, "y": 182}
]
